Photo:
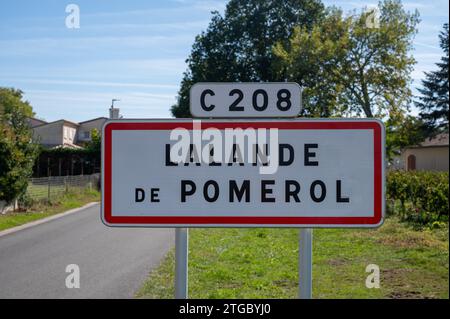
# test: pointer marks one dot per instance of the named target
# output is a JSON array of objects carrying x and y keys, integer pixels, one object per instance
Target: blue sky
[{"x": 133, "y": 50}]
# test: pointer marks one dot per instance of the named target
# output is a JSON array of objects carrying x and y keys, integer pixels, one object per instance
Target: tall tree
[
  {"x": 17, "y": 150},
  {"x": 402, "y": 131},
  {"x": 238, "y": 45},
  {"x": 363, "y": 66},
  {"x": 434, "y": 99},
  {"x": 310, "y": 58}
]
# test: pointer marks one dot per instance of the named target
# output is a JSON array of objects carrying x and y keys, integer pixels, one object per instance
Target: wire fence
[{"x": 48, "y": 188}]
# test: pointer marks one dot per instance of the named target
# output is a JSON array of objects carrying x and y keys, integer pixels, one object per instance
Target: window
[{"x": 87, "y": 134}]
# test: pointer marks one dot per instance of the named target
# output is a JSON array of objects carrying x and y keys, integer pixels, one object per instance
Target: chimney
[{"x": 114, "y": 113}]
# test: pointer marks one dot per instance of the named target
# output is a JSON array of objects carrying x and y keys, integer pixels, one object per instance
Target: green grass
[
  {"x": 42, "y": 209},
  {"x": 40, "y": 192},
  {"x": 263, "y": 263}
]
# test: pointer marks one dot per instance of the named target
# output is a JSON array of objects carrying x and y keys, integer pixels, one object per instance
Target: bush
[
  {"x": 17, "y": 150},
  {"x": 25, "y": 202},
  {"x": 423, "y": 196}
]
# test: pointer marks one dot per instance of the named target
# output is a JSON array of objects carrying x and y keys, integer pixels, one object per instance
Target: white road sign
[
  {"x": 243, "y": 173},
  {"x": 243, "y": 100}
]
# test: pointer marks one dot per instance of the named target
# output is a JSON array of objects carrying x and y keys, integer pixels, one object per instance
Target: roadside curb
[{"x": 44, "y": 220}]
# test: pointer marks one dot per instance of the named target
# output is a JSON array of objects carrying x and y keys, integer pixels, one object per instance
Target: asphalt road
[{"x": 113, "y": 262}]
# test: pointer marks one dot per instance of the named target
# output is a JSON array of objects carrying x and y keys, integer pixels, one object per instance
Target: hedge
[
  {"x": 421, "y": 196},
  {"x": 66, "y": 161}
]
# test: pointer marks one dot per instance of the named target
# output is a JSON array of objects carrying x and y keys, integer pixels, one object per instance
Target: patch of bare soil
[
  {"x": 406, "y": 294},
  {"x": 337, "y": 262},
  {"x": 396, "y": 279},
  {"x": 407, "y": 241}
]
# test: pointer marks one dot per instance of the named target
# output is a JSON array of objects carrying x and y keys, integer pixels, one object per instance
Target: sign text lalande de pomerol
[{"x": 254, "y": 150}]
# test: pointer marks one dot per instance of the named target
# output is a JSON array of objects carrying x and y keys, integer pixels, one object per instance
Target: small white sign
[{"x": 244, "y": 100}]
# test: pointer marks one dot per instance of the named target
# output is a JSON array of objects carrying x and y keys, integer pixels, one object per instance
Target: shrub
[
  {"x": 17, "y": 150},
  {"x": 423, "y": 195},
  {"x": 25, "y": 202}
]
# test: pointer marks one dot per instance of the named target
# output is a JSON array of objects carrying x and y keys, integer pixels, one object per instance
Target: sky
[{"x": 132, "y": 50}]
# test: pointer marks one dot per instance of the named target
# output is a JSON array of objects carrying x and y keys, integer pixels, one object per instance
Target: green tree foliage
[
  {"x": 311, "y": 58},
  {"x": 238, "y": 45},
  {"x": 95, "y": 144},
  {"x": 360, "y": 68},
  {"x": 402, "y": 131},
  {"x": 17, "y": 150},
  {"x": 423, "y": 196},
  {"x": 434, "y": 99}
]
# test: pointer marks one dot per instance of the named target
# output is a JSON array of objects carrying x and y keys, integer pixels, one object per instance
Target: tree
[
  {"x": 17, "y": 150},
  {"x": 434, "y": 100},
  {"x": 362, "y": 69},
  {"x": 310, "y": 59},
  {"x": 95, "y": 144},
  {"x": 401, "y": 132},
  {"x": 238, "y": 46}
]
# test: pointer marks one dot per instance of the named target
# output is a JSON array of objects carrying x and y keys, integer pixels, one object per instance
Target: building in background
[
  {"x": 68, "y": 134},
  {"x": 84, "y": 133},
  {"x": 64, "y": 142},
  {"x": 61, "y": 133},
  {"x": 430, "y": 155}
]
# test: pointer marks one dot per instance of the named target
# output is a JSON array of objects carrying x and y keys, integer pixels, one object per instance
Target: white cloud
[
  {"x": 419, "y": 71},
  {"x": 97, "y": 83},
  {"x": 182, "y": 9},
  {"x": 78, "y": 45},
  {"x": 80, "y": 105},
  {"x": 119, "y": 28},
  {"x": 426, "y": 56},
  {"x": 426, "y": 45},
  {"x": 417, "y": 5}
]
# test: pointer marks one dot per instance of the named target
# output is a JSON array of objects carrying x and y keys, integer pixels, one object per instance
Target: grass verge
[
  {"x": 41, "y": 210},
  {"x": 262, "y": 263}
]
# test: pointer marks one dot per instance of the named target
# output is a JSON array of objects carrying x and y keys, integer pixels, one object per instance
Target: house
[
  {"x": 67, "y": 134},
  {"x": 32, "y": 122},
  {"x": 61, "y": 133},
  {"x": 431, "y": 155},
  {"x": 84, "y": 133}
]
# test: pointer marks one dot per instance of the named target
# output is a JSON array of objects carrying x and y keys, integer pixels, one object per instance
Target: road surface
[{"x": 113, "y": 262}]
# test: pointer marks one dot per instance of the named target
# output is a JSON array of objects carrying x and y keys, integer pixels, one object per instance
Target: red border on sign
[{"x": 244, "y": 220}]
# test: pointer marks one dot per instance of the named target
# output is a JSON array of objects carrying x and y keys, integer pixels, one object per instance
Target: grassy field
[
  {"x": 262, "y": 263},
  {"x": 41, "y": 191},
  {"x": 41, "y": 209}
]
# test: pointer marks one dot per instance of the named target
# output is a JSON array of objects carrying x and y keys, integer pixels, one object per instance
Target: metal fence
[{"x": 47, "y": 188}]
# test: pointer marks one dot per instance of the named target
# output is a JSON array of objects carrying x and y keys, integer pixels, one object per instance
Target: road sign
[
  {"x": 243, "y": 173},
  {"x": 244, "y": 100}
]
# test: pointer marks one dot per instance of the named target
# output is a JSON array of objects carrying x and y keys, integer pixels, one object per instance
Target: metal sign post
[
  {"x": 181, "y": 263},
  {"x": 305, "y": 263}
]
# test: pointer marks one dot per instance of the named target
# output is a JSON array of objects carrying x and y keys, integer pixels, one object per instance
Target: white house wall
[
  {"x": 49, "y": 134},
  {"x": 88, "y": 127},
  {"x": 428, "y": 158}
]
